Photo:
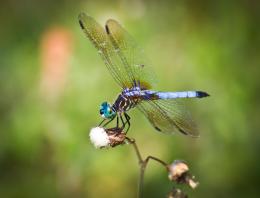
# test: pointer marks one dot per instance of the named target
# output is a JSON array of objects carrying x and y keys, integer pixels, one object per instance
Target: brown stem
[
  {"x": 143, "y": 164},
  {"x": 157, "y": 160},
  {"x": 132, "y": 141}
]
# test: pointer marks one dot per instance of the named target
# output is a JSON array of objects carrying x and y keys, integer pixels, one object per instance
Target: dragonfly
[{"x": 129, "y": 67}]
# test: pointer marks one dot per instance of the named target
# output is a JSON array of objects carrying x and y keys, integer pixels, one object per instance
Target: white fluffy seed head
[{"x": 99, "y": 137}]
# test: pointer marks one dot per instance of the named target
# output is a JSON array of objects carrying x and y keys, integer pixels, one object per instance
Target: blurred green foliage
[{"x": 207, "y": 45}]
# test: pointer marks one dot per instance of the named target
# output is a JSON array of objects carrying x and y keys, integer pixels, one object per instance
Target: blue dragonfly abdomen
[
  {"x": 129, "y": 98},
  {"x": 174, "y": 95}
]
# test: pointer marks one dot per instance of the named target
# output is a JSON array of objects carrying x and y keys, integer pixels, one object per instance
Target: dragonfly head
[{"x": 106, "y": 111}]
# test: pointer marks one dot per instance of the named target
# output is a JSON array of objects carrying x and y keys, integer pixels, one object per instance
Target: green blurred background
[{"x": 52, "y": 82}]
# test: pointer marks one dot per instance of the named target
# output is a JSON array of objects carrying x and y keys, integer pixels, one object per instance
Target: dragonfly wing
[
  {"x": 168, "y": 116},
  {"x": 132, "y": 56},
  {"x": 99, "y": 38}
]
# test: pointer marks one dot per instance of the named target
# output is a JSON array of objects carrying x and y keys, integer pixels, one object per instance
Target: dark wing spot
[
  {"x": 158, "y": 129},
  {"x": 142, "y": 65},
  {"x": 183, "y": 132},
  {"x": 107, "y": 29},
  {"x": 81, "y": 24}
]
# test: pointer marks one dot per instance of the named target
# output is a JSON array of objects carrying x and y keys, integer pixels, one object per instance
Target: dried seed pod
[
  {"x": 103, "y": 138},
  {"x": 176, "y": 193},
  {"x": 116, "y": 136},
  {"x": 99, "y": 137},
  {"x": 177, "y": 169},
  {"x": 179, "y": 172}
]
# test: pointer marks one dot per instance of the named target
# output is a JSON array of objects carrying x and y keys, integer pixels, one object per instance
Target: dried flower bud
[
  {"x": 102, "y": 137},
  {"x": 179, "y": 172},
  {"x": 116, "y": 136},
  {"x": 176, "y": 193},
  {"x": 177, "y": 169}
]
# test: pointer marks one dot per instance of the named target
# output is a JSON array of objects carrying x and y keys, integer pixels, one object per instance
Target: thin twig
[
  {"x": 157, "y": 160},
  {"x": 143, "y": 164},
  {"x": 132, "y": 141}
]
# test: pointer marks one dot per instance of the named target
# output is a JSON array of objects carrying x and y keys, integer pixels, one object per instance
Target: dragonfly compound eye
[{"x": 106, "y": 111}]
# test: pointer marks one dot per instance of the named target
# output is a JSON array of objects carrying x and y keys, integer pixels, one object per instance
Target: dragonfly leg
[
  {"x": 117, "y": 121},
  {"x": 108, "y": 122},
  {"x": 127, "y": 117},
  {"x": 123, "y": 122},
  {"x": 102, "y": 122}
]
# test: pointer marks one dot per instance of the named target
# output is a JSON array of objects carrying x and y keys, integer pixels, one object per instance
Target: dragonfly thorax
[{"x": 128, "y": 99}]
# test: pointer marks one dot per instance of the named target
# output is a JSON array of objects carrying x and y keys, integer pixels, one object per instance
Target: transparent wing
[
  {"x": 120, "y": 53},
  {"x": 99, "y": 38},
  {"x": 169, "y": 116},
  {"x": 132, "y": 56}
]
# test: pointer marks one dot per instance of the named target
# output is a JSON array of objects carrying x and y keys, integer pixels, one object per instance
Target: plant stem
[{"x": 143, "y": 164}]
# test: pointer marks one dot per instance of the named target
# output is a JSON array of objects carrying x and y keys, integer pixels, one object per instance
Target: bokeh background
[{"x": 52, "y": 82}]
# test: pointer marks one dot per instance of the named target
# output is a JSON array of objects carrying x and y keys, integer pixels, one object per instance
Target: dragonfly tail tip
[{"x": 202, "y": 94}]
